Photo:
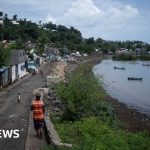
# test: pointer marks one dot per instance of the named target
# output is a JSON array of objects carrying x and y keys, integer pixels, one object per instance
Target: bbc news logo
[{"x": 9, "y": 134}]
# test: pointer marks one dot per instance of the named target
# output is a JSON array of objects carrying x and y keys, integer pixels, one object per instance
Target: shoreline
[{"x": 130, "y": 118}]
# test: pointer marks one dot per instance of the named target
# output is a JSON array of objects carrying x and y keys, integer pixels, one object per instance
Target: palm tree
[
  {"x": 15, "y": 17},
  {"x": 1, "y": 13},
  {"x": 40, "y": 23},
  {"x": 5, "y": 16}
]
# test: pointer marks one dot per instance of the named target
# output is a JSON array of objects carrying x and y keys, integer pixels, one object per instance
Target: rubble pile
[
  {"x": 58, "y": 73},
  {"x": 42, "y": 91},
  {"x": 59, "y": 70}
]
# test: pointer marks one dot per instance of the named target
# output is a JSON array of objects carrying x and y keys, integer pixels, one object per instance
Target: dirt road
[{"x": 14, "y": 115}]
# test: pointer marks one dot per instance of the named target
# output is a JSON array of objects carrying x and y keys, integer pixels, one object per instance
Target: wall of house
[
  {"x": 13, "y": 73},
  {"x": 4, "y": 77},
  {"x": 21, "y": 70}
]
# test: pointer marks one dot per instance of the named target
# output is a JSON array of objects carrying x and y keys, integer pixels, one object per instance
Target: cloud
[
  {"x": 109, "y": 19},
  {"x": 82, "y": 13},
  {"x": 50, "y": 19},
  {"x": 85, "y": 14},
  {"x": 117, "y": 14}
]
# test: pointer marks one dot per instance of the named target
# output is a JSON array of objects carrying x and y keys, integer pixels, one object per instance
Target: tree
[
  {"x": 40, "y": 23},
  {"x": 15, "y": 17},
  {"x": 50, "y": 26},
  {"x": 4, "y": 55},
  {"x": 90, "y": 41},
  {"x": 1, "y": 13},
  {"x": 42, "y": 41},
  {"x": 5, "y": 16}
]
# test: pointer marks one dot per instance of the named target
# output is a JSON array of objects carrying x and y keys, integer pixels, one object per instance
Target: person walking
[{"x": 37, "y": 107}]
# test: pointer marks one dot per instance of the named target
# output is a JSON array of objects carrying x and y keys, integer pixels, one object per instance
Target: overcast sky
[{"x": 108, "y": 19}]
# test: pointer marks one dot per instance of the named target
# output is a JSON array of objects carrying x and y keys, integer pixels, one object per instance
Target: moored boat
[
  {"x": 134, "y": 78},
  {"x": 122, "y": 68},
  {"x": 146, "y": 64}
]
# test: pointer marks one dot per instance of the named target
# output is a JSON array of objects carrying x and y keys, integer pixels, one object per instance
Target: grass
[{"x": 88, "y": 122}]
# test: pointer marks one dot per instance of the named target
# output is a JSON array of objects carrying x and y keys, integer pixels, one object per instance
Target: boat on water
[
  {"x": 146, "y": 64},
  {"x": 134, "y": 78},
  {"x": 121, "y": 68}
]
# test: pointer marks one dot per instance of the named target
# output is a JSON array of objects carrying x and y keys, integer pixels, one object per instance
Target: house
[
  {"x": 1, "y": 21},
  {"x": 30, "y": 45},
  {"x": 5, "y": 43},
  {"x": 15, "y": 22},
  {"x": 17, "y": 64},
  {"x": 4, "y": 76},
  {"x": 51, "y": 52},
  {"x": 122, "y": 51},
  {"x": 138, "y": 51}
]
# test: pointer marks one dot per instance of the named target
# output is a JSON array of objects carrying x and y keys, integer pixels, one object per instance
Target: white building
[{"x": 18, "y": 64}]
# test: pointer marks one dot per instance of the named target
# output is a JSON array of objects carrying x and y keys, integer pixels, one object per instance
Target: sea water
[{"x": 135, "y": 94}]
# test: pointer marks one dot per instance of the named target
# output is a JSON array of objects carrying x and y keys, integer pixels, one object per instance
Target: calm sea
[{"x": 135, "y": 94}]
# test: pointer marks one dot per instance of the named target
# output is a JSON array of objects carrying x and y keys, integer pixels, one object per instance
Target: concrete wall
[
  {"x": 13, "y": 73},
  {"x": 17, "y": 56},
  {"x": 21, "y": 70}
]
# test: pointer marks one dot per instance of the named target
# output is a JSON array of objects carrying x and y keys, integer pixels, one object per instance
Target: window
[
  {"x": 22, "y": 67},
  {"x": 20, "y": 53}
]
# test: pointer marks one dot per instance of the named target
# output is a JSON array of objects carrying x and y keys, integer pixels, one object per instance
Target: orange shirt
[{"x": 38, "y": 109}]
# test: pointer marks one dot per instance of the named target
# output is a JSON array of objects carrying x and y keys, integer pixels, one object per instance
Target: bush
[
  {"x": 89, "y": 123},
  {"x": 125, "y": 57},
  {"x": 145, "y": 57},
  {"x": 91, "y": 133},
  {"x": 83, "y": 96}
]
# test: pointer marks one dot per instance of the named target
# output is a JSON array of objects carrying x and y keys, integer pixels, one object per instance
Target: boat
[
  {"x": 146, "y": 64},
  {"x": 134, "y": 78},
  {"x": 121, "y": 68}
]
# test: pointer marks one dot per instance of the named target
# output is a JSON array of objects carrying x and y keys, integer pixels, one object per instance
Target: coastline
[{"x": 130, "y": 119}]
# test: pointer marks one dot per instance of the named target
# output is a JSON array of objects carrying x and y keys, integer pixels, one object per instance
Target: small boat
[
  {"x": 133, "y": 78},
  {"x": 146, "y": 64},
  {"x": 121, "y": 68}
]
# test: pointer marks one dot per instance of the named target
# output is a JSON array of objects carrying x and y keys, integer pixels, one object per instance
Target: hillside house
[
  {"x": 17, "y": 64},
  {"x": 122, "y": 51},
  {"x": 4, "y": 76},
  {"x": 51, "y": 53}
]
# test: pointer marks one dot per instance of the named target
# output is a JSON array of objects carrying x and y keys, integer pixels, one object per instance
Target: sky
[{"x": 107, "y": 19}]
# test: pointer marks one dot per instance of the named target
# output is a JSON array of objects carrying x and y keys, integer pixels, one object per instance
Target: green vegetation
[
  {"x": 144, "y": 57},
  {"x": 128, "y": 57},
  {"x": 125, "y": 57},
  {"x": 59, "y": 36},
  {"x": 92, "y": 133},
  {"x": 83, "y": 96},
  {"x": 4, "y": 55},
  {"x": 88, "y": 122}
]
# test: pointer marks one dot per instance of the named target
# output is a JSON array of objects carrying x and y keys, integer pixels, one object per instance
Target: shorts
[{"x": 38, "y": 124}]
